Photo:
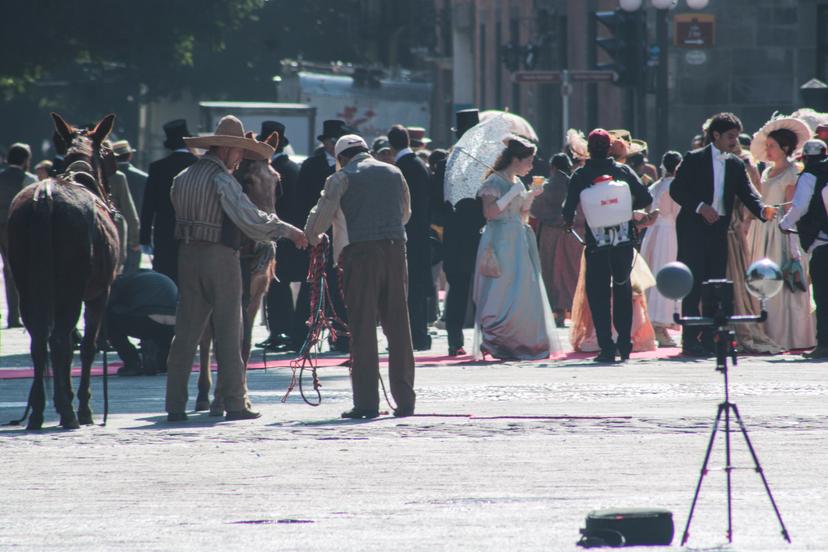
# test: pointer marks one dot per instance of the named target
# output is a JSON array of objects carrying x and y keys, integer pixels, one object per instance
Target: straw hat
[
  {"x": 230, "y": 133},
  {"x": 636, "y": 146},
  {"x": 797, "y": 126}
]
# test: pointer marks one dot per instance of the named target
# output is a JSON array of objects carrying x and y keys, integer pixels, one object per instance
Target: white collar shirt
[
  {"x": 331, "y": 159},
  {"x": 718, "y": 179},
  {"x": 402, "y": 153}
]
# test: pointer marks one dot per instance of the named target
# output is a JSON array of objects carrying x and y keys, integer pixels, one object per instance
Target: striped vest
[{"x": 198, "y": 212}]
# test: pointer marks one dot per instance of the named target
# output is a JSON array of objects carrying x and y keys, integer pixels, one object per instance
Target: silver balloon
[{"x": 763, "y": 279}]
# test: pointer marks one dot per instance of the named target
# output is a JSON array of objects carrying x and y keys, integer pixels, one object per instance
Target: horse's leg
[
  {"x": 40, "y": 358},
  {"x": 204, "y": 376},
  {"x": 61, "y": 349},
  {"x": 93, "y": 317}
]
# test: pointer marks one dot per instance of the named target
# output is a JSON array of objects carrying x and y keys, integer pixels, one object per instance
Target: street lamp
[
  {"x": 664, "y": 4},
  {"x": 697, "y": 4},
  {"x": 630, "y": 5}
]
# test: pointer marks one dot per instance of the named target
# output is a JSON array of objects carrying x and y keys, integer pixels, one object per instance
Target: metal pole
[
  {"x": 566, "y": 91},
  {"x": 662, "y": 100}
]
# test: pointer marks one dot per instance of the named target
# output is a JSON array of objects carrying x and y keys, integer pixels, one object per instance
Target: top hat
[
  {"x": 464, "y": 120},
  {"x": 176, "y": 130},
  {"x": 230, "y": 133},
  {"x": 334, "y": 128},
  {"x": 268, "y": 128}
]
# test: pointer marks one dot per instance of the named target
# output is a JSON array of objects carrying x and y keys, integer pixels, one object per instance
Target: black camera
[{"x": 717, "y": 300}]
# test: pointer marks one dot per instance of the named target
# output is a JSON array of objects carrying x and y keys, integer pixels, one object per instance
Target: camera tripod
[{"x": 725, "y": 343}]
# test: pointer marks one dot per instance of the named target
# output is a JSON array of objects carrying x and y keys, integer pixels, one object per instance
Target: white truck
[{"x": 368, "y": 102}]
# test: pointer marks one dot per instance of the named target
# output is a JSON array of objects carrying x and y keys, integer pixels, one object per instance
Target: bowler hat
[
  {"x": 176, "y": 130},
  {"x": 268, "y": 128},
  {"x": 418, "y": 137},
  {"x": 464, "y": 120},
  {"x": 334, "y": 128}
]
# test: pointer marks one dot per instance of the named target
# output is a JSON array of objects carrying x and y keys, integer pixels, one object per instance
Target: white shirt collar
[
  {"x": 183, "y": 150},
  {"x": 402, "y": 153},
  {"x": 278, "y": 155},
  {"x": 331, "y": 159},
  {"x": 717, "y": 154}
]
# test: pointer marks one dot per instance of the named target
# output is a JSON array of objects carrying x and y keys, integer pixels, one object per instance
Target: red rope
[{"x": 323, "y": 318}]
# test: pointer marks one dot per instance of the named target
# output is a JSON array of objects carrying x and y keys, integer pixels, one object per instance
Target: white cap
[
  {"x": 347, "y": 142},
  {"x": 814, "y": 147}
]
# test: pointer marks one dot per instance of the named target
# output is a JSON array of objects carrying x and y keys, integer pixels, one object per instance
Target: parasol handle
[{"x": 463, "y": 150}]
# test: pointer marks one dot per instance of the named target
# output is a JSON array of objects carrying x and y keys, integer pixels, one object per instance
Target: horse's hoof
[
  {"x": 35, "y": 423},
  {"x": 202, "y": 402},
  {"x": 69, "y": 421},
  {"x": 85, "y": 418}
]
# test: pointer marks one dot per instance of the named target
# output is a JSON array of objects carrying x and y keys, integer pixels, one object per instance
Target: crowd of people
[{"x": 516, "y": 259}]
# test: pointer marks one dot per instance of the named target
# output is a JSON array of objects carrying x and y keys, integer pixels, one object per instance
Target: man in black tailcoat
[
  {"x": 461, "y": 236},
  {"x": 312, "y": 175},
  {"x": 705, "y": 186},
  {"x": 291, "y": 263},
  {"x": 157, "y": 214},
  {"x": 418, "y": 250}
]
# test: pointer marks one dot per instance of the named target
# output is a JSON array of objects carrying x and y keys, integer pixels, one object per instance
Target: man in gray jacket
[{"x": 368, "y": 203}]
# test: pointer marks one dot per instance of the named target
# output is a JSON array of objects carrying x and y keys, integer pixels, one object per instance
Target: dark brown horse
[
  {"x": 63, "y": 251},
  {"x": 258, "y": 266}
]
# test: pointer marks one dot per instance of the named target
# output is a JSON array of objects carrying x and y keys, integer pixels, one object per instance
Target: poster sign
[{"x": 694, "y": 30}]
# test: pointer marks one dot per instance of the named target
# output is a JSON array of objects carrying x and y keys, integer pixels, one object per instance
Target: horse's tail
[{"x": 42, "y": 259}]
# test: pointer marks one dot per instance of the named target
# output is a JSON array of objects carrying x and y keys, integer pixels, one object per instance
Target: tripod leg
[
  {"x": 686, "y": 534},
  {"x": 728, "y": 473},
  {"x": 760, "y": 471}
]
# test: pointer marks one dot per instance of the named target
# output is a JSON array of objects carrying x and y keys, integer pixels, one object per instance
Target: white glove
[{"x": 516, "y": 189}]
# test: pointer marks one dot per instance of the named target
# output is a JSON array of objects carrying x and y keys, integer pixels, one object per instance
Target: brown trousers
[
  {"x": 209, "y": 283},
  {"x": 375, "y": 282},
  {"x": 12, "y": 300}
]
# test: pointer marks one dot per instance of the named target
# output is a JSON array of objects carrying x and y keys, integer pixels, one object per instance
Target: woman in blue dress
[{"x": 512, "y": 318}]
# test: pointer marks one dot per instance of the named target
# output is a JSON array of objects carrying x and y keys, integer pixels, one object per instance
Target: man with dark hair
[
  {"x": 367, "y": 202},
  {"x": 461, "y": 236},
  {"x": 418, "y": 249},
  {"x": 13, "y": 178},
  {"x": 291, "y": 262},
  {"x": 607, "y": 266},
  {"x": 706, "y": 183},
  {"x": 157, "y": 214}
]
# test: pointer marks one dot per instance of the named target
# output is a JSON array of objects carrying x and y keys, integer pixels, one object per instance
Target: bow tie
[{"x": 719, "y": 155}]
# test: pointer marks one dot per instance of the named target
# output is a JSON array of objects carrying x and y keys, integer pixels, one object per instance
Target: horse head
[
  {"x": 87, "y": 145},
  {"x": 258, "y": 178}
]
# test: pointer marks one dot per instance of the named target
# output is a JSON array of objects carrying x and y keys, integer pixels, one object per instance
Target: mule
[
  {"x": 258, "y": 266},
  {"x": 63, "y": 253}
]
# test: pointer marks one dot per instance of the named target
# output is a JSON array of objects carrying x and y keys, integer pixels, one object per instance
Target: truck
[{"x": 368, "y": 100}]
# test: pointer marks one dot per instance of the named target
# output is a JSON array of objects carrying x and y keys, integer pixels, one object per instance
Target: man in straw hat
[
  {"x": 211, "y": 213},
  {"x": 706, "y": 184},
  {"x": 367, "y": 202},
  {"x": 137, "y": 183}
]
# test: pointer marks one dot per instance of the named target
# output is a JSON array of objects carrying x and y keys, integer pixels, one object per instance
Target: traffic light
[{"x": 625, "y": 44}]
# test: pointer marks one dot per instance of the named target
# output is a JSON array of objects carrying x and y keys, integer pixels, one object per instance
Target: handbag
[{"x": 489, "y": 266}]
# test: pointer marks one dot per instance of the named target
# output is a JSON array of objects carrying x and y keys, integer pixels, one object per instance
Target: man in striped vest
[{"x": 211, "y": 212}]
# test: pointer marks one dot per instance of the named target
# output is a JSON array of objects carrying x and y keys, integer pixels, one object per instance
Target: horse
[
  {"x": 63, "y": 253},
  {"x": 258, "y": 265}
]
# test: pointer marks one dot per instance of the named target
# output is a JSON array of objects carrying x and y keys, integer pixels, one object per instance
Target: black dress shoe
[
  {"x": 605, "y": 357},
  {"x": 624, "y": 355},
  {"x": 817, "y": 352},
  {"x": 456, "y": 351},
  {"x": 243, "y": 414},
  {"x": 425, "y": 345},
  {"x": 360, "y": 414},
  {"x": 177, "y": 417},
  {"x": 403, "y": 411}
]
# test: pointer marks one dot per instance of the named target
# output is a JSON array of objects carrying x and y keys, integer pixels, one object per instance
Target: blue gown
[{"x": 512, "y": 315}]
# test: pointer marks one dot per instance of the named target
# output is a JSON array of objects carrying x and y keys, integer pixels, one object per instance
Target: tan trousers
[
  {"x": 209, "y": 283},
  {"x": 375, "y": 284}
]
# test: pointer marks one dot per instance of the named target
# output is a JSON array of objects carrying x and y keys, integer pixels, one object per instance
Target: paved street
[{"x": 499, "y": 457}]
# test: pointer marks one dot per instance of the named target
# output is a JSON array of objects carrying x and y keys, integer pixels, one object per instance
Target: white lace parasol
[{"x": 471, "y": 156}]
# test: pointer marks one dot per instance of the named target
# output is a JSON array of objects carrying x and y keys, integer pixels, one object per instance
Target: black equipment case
[{"x": 628, "y": 527}]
